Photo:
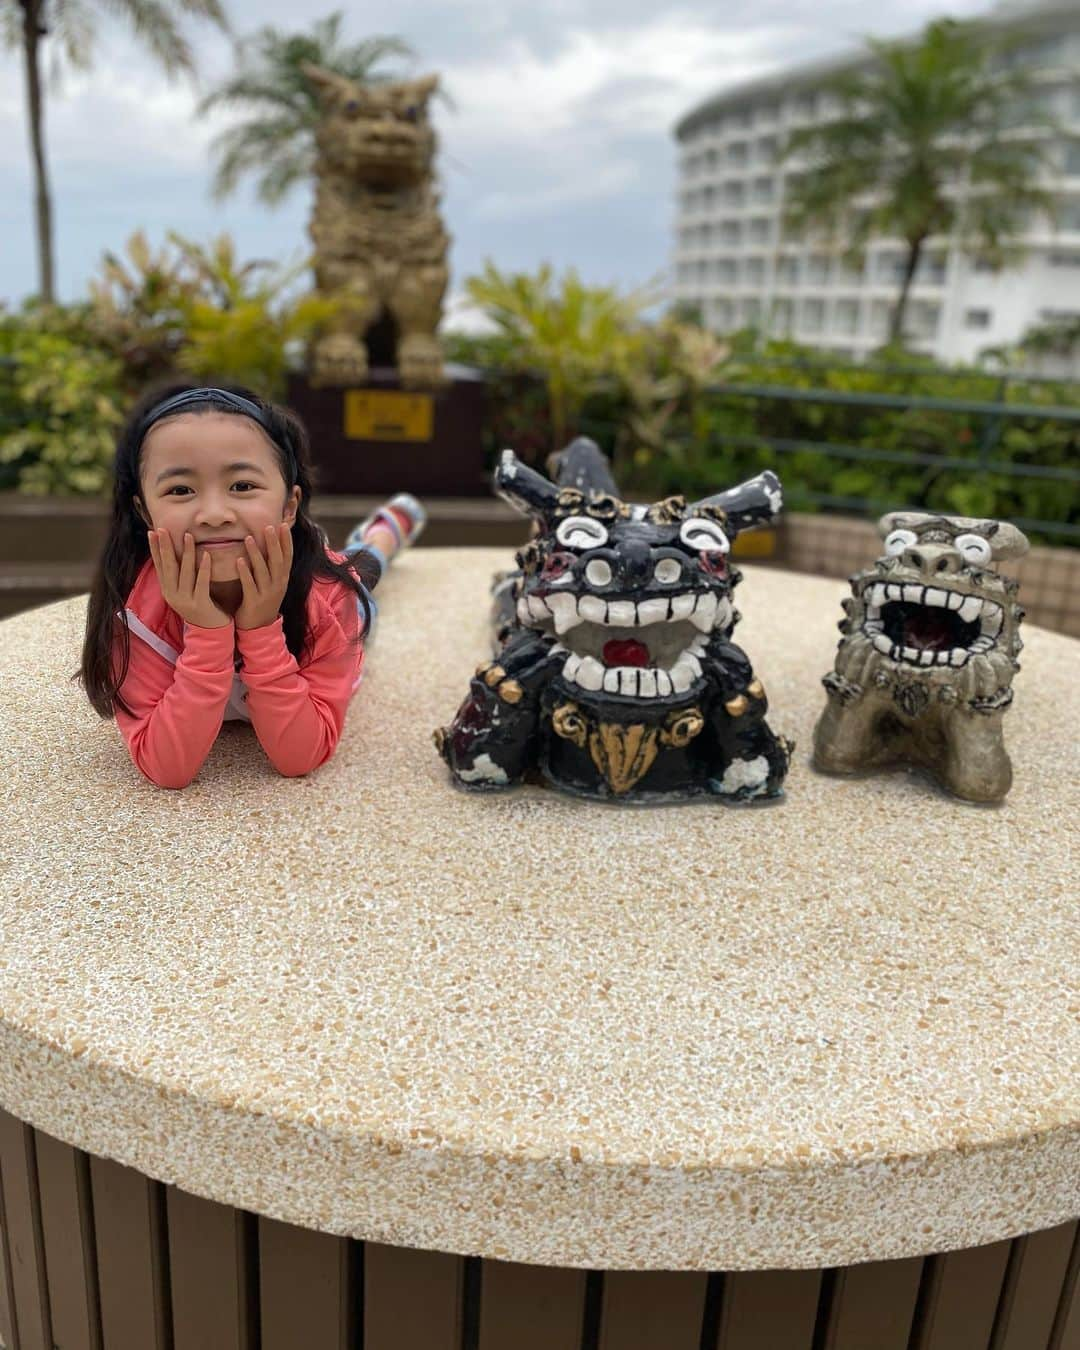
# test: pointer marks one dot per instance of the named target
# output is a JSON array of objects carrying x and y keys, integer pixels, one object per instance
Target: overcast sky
[{"x": 559, "y": 145}]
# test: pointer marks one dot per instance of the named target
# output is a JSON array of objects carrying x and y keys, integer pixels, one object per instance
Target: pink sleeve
[
  {"x": 298, "y": 714},
  {"x": 177, "y": 711}
]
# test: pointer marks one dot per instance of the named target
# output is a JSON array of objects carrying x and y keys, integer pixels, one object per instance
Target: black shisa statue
[{"x": 616, "y": 676}]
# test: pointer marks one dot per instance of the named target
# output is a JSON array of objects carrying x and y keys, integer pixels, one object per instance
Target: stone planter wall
[{"x": 48, "y": 546}]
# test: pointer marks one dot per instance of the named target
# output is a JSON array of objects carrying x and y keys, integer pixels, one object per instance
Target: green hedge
[{"x": 697, "y": 456}]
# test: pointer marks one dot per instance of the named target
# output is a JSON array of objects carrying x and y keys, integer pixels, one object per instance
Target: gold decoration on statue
[
  {"x": 682, "y": 727},
  {"x": 624, "y": 754},
  {"x": 568, "y": 723}
]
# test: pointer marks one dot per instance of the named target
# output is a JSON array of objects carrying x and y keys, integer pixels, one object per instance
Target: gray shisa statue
[
  {"x": 924, "y": 670},
  {"x": 379, "y": 240}
]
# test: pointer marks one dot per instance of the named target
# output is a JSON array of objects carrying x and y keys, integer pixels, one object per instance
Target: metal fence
[{"x": 984, "y": 456}]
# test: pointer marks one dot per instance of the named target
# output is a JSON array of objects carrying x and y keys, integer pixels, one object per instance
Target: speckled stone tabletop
[{"x": 838, "y": 1028}]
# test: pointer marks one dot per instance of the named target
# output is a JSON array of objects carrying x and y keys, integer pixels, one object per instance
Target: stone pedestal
[{"x": 381, "y": 438}]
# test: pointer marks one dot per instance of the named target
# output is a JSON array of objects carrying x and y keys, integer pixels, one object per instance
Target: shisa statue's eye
[
  {"x": 897, "y": 541},
  {"x": 668, "y": 571},
  {"x": 581, "y": 532},
  {"x": 973, "y": 548},
  {"x": 352, "y": 106},
  {"x": 705, "y": 536}
]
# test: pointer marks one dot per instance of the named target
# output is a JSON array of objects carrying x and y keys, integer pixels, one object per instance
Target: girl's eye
[{"x": 181, "y": 486}]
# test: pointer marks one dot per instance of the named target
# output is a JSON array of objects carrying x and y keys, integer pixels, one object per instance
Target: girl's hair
[{"x": 127, "y": 547}]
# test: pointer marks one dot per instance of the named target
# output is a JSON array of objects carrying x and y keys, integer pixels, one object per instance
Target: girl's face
[{"x": 215, "y": 476}]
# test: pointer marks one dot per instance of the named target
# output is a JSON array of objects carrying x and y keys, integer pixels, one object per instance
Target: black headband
[
  {"x": 193, "y": 398},
  {"x": 189, "y": 399}
]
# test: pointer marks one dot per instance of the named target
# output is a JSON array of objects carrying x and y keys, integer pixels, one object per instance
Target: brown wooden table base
[{"x": 95, "y": 1256}]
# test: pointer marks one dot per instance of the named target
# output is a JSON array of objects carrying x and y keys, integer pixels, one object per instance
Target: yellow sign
[
  {"x": 755, "y": 544},
  {"x": 386, "y": 415}
]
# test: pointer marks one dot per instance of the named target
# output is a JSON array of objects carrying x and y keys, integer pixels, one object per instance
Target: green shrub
[{"x": 60, "y": 402}]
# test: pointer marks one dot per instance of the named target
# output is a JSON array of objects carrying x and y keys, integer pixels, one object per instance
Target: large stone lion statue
[
  {"x": 924, "y": 669},
  {"x": 379, "y": 242}
]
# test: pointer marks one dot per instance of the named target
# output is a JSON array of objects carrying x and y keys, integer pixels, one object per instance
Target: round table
[{"x": 365, "y": 1052}]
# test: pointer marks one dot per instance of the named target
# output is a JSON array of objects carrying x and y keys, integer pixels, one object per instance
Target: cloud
[{"x": 560, "y": 147}]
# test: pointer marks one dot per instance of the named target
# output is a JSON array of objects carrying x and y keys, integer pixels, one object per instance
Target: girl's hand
[
  {"x": 264, "y": 580},
  {"x": 185, "y": 587}
]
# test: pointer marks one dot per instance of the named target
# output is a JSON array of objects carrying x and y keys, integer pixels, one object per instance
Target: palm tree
[
  {"x": 70, "y": 25},
  {"x": 278, "y": 141},
  {"x": 917, "y": 150}
]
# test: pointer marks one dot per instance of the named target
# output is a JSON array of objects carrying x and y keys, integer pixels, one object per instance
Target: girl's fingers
[
  {"x": 187, "y": 566},
  {"x": 259, "y": 570},
  {"x": 273, "y": 548},
  {"x": 247, "y": 581},
  {"x": 202, "y": 578}
]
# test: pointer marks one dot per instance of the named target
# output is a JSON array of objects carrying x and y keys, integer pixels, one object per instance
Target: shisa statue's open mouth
[
  {"x": 929, "y": 625},
  {"x": 644, "y": 649}
]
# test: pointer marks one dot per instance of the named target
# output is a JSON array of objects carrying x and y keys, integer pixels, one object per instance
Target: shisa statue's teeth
[
  {"x": 590, "y": 674},
  {"x": 883, "y": 644},
  {"x": 704, "y": 615},
  {"x": 571, "y": 666},
  {"x": 592, "y": 608},
  {"x": 647, "y": 683},
  {"x": 621, "y": 614},
  {"x": 565, "y": 609},
  {"x": 524, "y": 612},
  {"x": 682, "y": 606},
  {"x": 970, "y": 609},
  {"x": 537, "y": 608},
  {"x": 652, "y": 611},
  {"x": 991, "y": 620}
]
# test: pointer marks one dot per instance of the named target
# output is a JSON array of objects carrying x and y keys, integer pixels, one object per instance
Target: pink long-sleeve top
[{"x": 183, "y": 681}]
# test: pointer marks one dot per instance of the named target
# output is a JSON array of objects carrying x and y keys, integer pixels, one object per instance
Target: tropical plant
[
  {"x": 277, "y": 141},
  {"x": 199, "y": 309},
  {"x": 567, "y": 330},
  {"x": 62, "y": 408},
  {"x": 69, "y": 25},
  {"x": 244, "y": 320},
  {"x": 917, "y": 150}
]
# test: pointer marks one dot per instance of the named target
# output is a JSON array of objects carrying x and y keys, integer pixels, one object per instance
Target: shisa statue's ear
[
  {"x": 423, "y": 88},
  {"x": 332, "y": 87},
  {"x": 525, "y": 489},
  {"x": 756, "y": 502}
]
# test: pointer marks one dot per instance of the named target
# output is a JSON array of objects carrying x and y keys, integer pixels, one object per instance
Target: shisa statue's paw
[
  {"x": 420, "y": 362},
  {"x": 338, "y": 359}
]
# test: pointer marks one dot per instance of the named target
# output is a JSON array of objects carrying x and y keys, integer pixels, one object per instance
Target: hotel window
[
  {"x": 889, "y": 268},
  {"x": 782, "y": 315},
  {"x": 922, "y": 319},
  {"x": 759, "y": 230},
  {"x": 737, "y": 154},
  {"x": 817, "y": 270},
  {"x": 764, "y": 189},
  {"x": 977, "y": 318},
  {"x": 751, "y": 310},
  {"x": 881, "y": 317},
  {"x": 754, "y": 272},
  {"x": 813, "y": 315},
  {"x": 765, "y": 150},
  {"x": 931, "y": 269},
  {"x": 1068, "y": 217},
  {"x": 1064, "y": 259},
  {"x": 734, "y": 193},
  {"x": 724, "y": 271},
  {"x": 787, "y": 272},
  {"x": 846, "y": 316},
  {"x": 730, "y": 232}
]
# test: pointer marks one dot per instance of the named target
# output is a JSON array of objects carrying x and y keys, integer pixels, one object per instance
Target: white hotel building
[{"x": 733, "y": 262}]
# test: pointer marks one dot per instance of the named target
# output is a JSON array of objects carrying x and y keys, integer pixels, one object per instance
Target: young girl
[{"x": 217, "y": 597}]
